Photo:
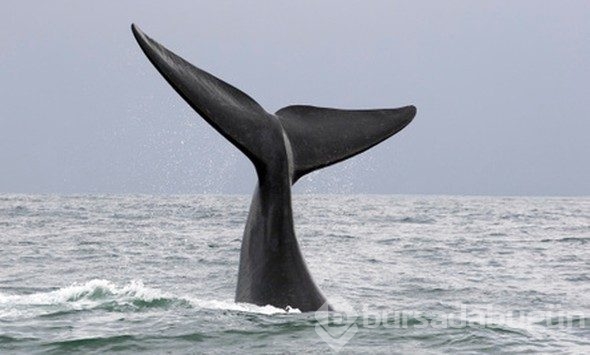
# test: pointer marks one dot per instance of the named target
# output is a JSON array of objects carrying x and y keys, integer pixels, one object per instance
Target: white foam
[
  {"x": 240, "y": 307},
  {"x": 93, "y": 293},
  {"x": 93, "y": 290}
]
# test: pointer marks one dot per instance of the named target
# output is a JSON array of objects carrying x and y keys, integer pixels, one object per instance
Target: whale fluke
[
  {"x": 323, "y": 136},
  {"x": 283, "y": 147},
  {"x": 230, "y": 111}
]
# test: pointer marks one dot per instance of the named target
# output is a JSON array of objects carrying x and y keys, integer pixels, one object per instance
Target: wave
[
  {"x": 582, "y": 240},
  {"x": 410, "y": 220},
  {"x": 107, "y": 295}
]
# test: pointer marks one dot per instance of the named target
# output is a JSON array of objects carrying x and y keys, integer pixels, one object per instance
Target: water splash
[{"x": 107, "y": 295}]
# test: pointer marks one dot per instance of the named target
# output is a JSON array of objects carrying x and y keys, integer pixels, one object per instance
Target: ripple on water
[{"x": 424, "y": 256}]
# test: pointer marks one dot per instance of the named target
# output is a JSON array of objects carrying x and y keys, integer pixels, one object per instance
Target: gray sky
[{"x": 502, "y": 90}]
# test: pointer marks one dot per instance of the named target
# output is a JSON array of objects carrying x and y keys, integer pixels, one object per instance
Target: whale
[{"x": 283, "y": 147}]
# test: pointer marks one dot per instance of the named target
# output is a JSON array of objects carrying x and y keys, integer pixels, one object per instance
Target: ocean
[{"x": 406, "y": 274}]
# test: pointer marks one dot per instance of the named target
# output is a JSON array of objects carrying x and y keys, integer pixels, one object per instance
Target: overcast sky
[{"x": 502, "y": 90}]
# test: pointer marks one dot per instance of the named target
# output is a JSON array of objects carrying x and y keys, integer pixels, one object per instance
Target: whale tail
[
  {"x": 283, "y": 147},
  {"x": 324, "y": 136},
  {"x": 318, "y": 137}
]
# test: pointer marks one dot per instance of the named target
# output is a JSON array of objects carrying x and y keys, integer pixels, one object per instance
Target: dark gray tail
[
  {"x": 323, "y": 136},
  {"x": 318, "y": 137}
]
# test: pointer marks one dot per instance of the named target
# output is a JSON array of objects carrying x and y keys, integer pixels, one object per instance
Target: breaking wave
[{"x": 107, "y": 295}]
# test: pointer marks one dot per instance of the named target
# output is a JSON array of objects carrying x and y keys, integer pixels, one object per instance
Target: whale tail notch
[{"x": 318, "y": 137}]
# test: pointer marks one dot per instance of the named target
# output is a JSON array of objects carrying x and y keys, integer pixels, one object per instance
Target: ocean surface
[{"x": 408, "y": 274}]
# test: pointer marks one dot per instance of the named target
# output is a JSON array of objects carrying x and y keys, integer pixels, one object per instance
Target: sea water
[{"x": 406, "y": 274}]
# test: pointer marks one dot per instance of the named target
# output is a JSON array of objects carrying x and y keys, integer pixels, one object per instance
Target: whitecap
[{"x": 99, "y": 292}]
